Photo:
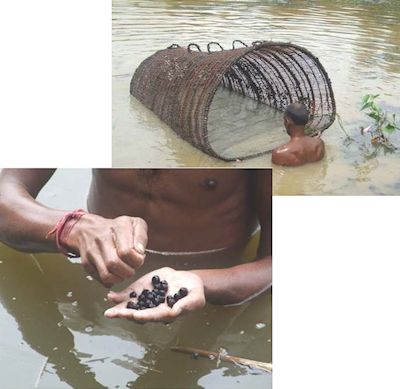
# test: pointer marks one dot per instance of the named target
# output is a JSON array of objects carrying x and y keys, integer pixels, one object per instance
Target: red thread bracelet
[{"x": 63, "y": 228}]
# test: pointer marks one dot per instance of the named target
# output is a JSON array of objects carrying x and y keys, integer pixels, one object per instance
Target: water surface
[{"x": 358, "y": 42}]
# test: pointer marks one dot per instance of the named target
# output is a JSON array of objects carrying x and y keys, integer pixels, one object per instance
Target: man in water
[
  {"x": 189, "y": 227},
  {"x": 301, "y": 149}
]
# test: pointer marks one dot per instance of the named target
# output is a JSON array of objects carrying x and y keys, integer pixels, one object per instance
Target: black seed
[
  {"x": 183, "y": 292},
  {"x": 164, "y": 285},
  {"x": 155, "y": 280},
  {"x": 177, "y": 297},
  {"x": 151, "y": 305},
  {"x": 132, "y": 294},
  {"x": 145, "y": 292},
  {"x": 147, "y": 302},
  {"x": 170, "y": 301},
  {"x": 132, "y": 305}
]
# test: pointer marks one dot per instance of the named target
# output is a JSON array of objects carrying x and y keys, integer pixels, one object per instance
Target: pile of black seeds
[{"x": 153, "y": 298}]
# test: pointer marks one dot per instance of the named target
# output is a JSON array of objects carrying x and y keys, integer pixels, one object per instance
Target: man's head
[{"x": 295, "y": 114}]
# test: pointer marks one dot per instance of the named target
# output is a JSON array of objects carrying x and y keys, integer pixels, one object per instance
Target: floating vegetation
[{"x": 384, "y": 125}]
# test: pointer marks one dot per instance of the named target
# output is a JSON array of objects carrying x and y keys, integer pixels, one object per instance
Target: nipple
[{"x": 211, "y": 183}]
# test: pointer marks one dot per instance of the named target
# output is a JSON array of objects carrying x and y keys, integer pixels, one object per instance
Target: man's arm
[
  {"x": 110, "y": 249},
  {"x": 24, "y": 222},
  {"x": 242, "y": 282}
]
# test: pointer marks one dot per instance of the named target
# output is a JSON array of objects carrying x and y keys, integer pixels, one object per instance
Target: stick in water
[{"x": 228, "y": 358}]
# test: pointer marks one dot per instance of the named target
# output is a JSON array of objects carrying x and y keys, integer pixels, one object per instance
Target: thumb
[
  {"x": 118, "y": 297},
  {"x": 139, "y": 235}
]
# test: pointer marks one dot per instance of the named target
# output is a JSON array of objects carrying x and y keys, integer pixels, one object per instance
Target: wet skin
[
  {"x": 165, "y": 210},
  {"x": 301, "y": 149}
]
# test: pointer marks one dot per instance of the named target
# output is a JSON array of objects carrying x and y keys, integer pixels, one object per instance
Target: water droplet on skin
[
  {"x": 55, "y": 348},
  {"x": 241, "y": 332},
  {"x": 260, "y": 326},
  {"x": 14, "y": 298},
  {"x": 88, "y": 329},
  {"x": 1, "y": 261}
]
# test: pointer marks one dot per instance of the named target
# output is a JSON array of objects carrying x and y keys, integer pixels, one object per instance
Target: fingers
[
  {"x": 113, "y": 263},
  {"x": 162, "y": 313},
  {"x": 95, "y": 264},
  {"x": 123, "y": 234},
  {"x": 112, "y": 249},
  {"x": 119, "y": 297},
  {"x": 189, "y": 303},
  {"x": 139, "y": 235}
]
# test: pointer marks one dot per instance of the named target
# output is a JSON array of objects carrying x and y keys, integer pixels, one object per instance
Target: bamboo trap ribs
[{"x": 179, "y": 84}]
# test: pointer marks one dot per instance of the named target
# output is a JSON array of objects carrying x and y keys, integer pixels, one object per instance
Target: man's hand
[
  {"x": 110, "y": 249},
  {"x": 163, "y": 313}
]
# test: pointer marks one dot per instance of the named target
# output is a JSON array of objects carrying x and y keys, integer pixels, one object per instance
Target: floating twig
[
  {"x": 228, "y": 358},
  {"x": 41, "y": 372},
  {"x": 348, "y": 137}
]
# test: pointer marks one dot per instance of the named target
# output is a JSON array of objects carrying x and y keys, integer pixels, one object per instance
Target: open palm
[{"x": 162, "y": 313}]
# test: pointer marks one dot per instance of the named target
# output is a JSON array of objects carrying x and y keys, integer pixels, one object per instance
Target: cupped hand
[
  {"x": 110, "y": 249},
  {"x": 194, "y": 300}
]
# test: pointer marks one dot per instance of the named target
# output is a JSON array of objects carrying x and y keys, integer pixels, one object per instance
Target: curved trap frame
[{"x": 178, "y": 84}]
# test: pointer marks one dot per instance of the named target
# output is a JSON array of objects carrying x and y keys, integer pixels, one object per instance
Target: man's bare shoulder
[{"x": 284, "y": 156}]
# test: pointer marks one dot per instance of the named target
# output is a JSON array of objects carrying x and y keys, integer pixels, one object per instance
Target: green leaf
[
  {"x": 375, "y": 108},
  {"x": 389, "y": 128},
  {"x": 373, "y": 115},
  {"x": 365, "y": 99},
  {"x": 366, "y": 105}
]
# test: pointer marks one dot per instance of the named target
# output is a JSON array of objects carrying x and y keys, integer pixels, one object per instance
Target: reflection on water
[
  {"x": 358, "y": 42},
  {"x": 54, "y": 333}
]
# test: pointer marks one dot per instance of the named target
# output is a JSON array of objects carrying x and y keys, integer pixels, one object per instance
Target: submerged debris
[{"x": 222, "y": 355}]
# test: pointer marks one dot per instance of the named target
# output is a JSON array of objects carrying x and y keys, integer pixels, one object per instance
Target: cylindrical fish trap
[{"x": 178, "y": 84}]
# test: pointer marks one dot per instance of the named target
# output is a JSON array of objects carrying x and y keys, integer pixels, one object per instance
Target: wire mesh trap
[{"x": 229, "y": 103}]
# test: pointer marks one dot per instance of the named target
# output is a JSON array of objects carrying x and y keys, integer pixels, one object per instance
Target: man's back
[{"x": 299, "y": 151}]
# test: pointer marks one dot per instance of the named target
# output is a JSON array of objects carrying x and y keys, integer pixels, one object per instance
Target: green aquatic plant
[{"x": 384, "y": 123}]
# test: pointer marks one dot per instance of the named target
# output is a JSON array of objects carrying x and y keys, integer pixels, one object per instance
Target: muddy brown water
[
  {"x": 54, "y": 334},
  {"x": 358, "y": 42}
]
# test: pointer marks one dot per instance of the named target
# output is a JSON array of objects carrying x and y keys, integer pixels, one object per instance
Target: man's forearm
[
  {"x": 237, "y": 284},
  {"x": 24, "y": 222}
]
